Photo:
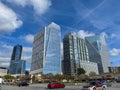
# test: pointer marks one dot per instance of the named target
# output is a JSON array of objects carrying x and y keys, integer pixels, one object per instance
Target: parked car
[
  {"x": 107, "y": 83},
  {"x": 94, "y": 85},
  {"x": 118, "y": 79},
  {"x": 55, "y": 85},
  {"x": 23, "y": 84}
]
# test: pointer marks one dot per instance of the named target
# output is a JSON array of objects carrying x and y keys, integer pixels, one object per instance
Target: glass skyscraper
[
  {"x": 46, "y": 55},
  {"x": 76, "y": 55},
  {"x": 17, "y": 66},
  {"x": 98, "y": 52}
]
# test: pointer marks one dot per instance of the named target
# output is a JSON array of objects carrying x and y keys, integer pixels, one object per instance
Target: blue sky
[{"x": 20, "y": 20}]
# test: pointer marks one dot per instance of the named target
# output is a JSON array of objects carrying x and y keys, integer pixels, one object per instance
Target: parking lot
[{"x": 115, "y": 86}]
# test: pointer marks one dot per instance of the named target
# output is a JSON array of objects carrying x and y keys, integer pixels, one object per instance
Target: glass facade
[
  {"x": 46, "y": 56},
  {"x": 75, "y": 53},
  {"x": 98, "y": 52},
  {"x": 17, "y": 66},
  {"x": 70, "y": 54}
]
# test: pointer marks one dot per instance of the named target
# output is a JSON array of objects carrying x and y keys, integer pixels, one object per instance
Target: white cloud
[
  {"x": 6, "y": 64},
  {"x": 5, "y": 51},
  {"x": 22, "y": 3},
  {"x": 8, "y": 19},
  {"x": 39, "y": 6},
  {"x": 7, "y": 47},
  {"x": 26, "y": 58},
  {"x": 83, "y": 34},
  {"x": 113, "y": 35},
  {"x": 29, "y": 38},
  {"x": 4, "y": 61},
  {"x": 27, "y": 49},
  {"x": 115, "y": 52}
]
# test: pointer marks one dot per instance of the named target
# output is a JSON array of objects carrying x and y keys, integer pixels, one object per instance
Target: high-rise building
[
  {"x": 46, "y": 55},
  {"x": 76, "y": 55},
  {"x": 17, "y": 66},
  {"x": 98, "y": 52}
]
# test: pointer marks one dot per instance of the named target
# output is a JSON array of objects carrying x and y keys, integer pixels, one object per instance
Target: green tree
[
  {"x": 80, "y": 71},
  {"x": 92, "y": 74},
  {"x": 9, "y": 77}
]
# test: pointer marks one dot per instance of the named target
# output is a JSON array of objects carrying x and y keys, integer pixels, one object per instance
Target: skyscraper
[
  {"x": 46, "y": 55},
  {"x": 76, "y": 55},
  {"x": 17, "y": 66},
  {"x": 98, "y": 52}
]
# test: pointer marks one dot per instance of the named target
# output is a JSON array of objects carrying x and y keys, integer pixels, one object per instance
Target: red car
[{"x": 55, "y": 85}]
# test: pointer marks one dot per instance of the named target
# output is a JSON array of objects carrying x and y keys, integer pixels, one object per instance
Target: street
[{"x": 115, "y": 86}]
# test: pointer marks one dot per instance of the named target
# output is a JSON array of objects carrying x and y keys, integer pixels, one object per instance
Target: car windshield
[{"x": 92, "y": 83}]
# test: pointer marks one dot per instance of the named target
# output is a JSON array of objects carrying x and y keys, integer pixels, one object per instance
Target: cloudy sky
[{"x": 20, "y": 20}]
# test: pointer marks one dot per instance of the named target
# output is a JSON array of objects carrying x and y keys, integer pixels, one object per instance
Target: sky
[{"x": 20, "y": 20}]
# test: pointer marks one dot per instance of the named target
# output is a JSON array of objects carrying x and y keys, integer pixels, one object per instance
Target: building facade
[
  {"x": 46, "y": 55},
  {"x": 3, "y": 71},
  {"x": 76, "y": 55},
  {"x": 98, "y": 52},
  {"x": 114, "y": 69},
  {"x": 17, "y": 66}
]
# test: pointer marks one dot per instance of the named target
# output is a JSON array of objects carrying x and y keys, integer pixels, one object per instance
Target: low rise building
[
  {"x": 89, "y": 67},
  {"x": 114, "y": 69},
  {"x": 3, "y": 71}
]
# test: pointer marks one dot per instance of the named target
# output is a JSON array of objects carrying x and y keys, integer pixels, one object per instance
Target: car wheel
[
  {"x": 49, "y": 87},
  {"x": 94, "y": 88},
  {"x": 64, "y": 86},
  {"x": 103, "y": 88}
]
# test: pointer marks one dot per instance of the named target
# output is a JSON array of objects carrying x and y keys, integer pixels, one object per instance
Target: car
[
  {"x": 94, "y": 85},
  {"x": 53, "y": 85},
  {"x": 23, "y": 84},
  {"x": 107, "y": 83},
  {"x": 118, "y": 79}
]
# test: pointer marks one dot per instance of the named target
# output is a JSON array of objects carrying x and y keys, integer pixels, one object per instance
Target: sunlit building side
[
  {"x": 98, "y": 52},
  {"x": 46, "y": 55}
]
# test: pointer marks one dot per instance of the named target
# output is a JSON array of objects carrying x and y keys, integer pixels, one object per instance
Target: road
[{"x": 115, "y": 86}]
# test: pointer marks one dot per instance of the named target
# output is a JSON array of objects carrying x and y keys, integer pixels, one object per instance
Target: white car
[{"x": 94, "y": 85}]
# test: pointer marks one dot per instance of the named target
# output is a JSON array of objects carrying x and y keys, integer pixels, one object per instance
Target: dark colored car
[
  {"x": 118, "y": 79},
  {"x": 23, "y": 84},
  {"x": 55, "y": 85},
  {"x": 94, "y": 85},
  {"x": 107, "y": 83}
]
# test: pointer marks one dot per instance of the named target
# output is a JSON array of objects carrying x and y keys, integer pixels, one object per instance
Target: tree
[
  {"x": 80, "y": 71},
  {"x": 92, "y": 74},
  {"x": 9, "y": 77}
]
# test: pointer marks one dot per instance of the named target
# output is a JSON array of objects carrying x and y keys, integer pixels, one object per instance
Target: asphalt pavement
[{"x": 115, "y": 86}]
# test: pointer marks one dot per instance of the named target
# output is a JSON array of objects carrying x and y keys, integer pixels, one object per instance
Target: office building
[
  {"x": 17, "y": 66},
  {"x": 76, "y": 55},
  {"x": 98, "y": 52},
  {"x": 46, "y": 55}
]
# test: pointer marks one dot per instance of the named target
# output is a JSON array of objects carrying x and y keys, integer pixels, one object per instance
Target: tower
[
  {"x": 46, "y": 55},
  {"x": 76, "y": 55},
  {"x": 98, "y": 52},
  {"x": 17, "y": 66}
]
